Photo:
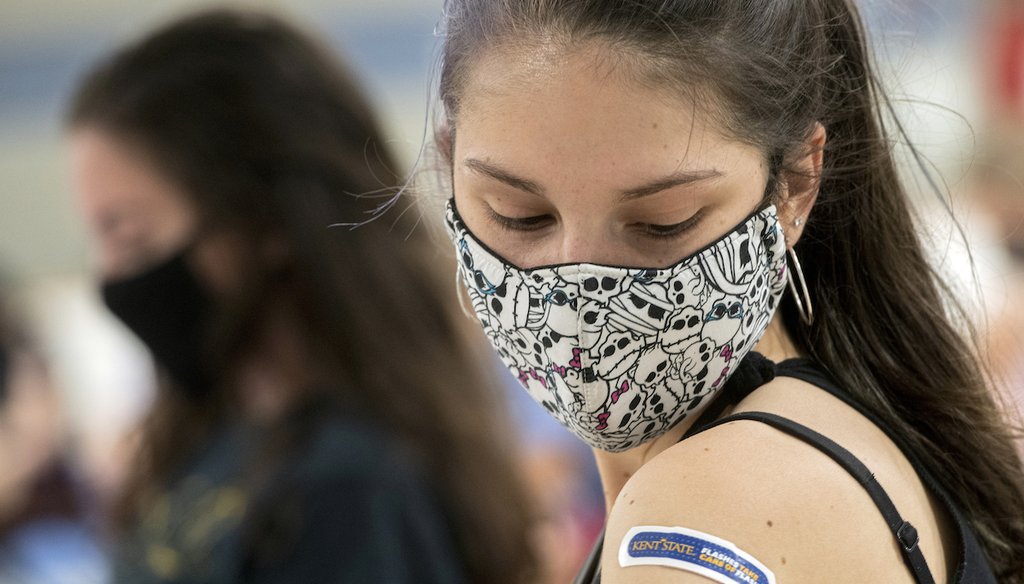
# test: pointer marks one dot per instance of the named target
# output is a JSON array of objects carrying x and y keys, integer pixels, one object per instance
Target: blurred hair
[
  {"x": 15, "y": 339},
  {"x": 273, "y": 141},
  {"x": 8, "y": 340},
  {"x": 767, "y": 70}
]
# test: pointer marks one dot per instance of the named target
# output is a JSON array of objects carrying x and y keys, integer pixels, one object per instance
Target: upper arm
[{"x": 777, "y": 500}]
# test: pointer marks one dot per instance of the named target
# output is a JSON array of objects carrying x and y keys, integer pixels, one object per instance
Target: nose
[{"x": 589, "y": 244}]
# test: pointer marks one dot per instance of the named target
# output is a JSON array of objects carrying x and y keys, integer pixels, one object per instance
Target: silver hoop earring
[
  {"x": 802, "y": 305},
  {"x": 798, "y": 222}
]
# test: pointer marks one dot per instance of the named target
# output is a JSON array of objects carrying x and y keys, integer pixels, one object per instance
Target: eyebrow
[
  {"x": 504, "y": 176},
  {"x": 674, "y": 180}
]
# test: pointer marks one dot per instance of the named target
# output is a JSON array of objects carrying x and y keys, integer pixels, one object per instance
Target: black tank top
[{"x": 972, "y": 566}]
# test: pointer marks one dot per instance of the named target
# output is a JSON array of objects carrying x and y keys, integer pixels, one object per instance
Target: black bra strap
[{"x": 905, "y": 533}]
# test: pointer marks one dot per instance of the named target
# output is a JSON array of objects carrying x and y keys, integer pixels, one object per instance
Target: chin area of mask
[{"x": 169, "y": 310}]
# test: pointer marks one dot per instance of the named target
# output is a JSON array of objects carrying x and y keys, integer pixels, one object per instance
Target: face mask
[
  {"x": 168, "y": 310},
  {"x": 621, "y": 355}
]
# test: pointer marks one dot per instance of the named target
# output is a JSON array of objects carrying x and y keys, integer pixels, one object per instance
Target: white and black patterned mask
[{"x": 620, "y": 355}]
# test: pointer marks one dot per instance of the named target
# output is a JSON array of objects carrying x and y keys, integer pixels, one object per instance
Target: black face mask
[{"x": 170, "y": 311}]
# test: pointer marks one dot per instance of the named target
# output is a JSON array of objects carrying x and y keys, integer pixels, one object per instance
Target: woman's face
[
  {"x": 562, "y": 159},
  {"x": 135, "y": 216}
]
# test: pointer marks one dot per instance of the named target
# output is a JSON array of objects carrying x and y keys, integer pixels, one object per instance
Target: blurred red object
[{"x": 1005, "y": 59}]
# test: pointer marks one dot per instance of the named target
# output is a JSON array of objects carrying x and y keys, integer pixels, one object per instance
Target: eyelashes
[
  {"x": 675, "y": 230},
  {"x": 649, "y": 230},
  {"x": 521, "y": 224}
]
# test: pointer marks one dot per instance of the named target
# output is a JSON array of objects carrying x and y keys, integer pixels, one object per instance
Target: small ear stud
[{"x": 798, "y": 222}]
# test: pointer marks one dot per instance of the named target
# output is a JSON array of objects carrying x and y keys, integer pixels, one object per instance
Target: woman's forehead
[{"x": 564, "y": 115}]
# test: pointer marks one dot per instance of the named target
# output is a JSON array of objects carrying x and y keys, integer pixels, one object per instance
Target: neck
[
  {"x": 276, "y": 374},
  {"x": 616, "y": 468}
]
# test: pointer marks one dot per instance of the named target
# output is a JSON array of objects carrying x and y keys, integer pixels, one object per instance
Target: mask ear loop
[
  {"x": 460, "y": 293},
  {"x": 804, "y": 307}
]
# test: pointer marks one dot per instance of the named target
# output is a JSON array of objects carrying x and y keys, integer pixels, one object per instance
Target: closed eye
[
  {"x": 519, "y": 223},
  {"x": 670, "y": 231}
]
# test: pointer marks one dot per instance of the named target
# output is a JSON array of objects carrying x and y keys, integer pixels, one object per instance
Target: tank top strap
[
  {"x": 904, "y": 532},
  {"x": 756, "y": 370},
  {"x": 972, "y": 564}
]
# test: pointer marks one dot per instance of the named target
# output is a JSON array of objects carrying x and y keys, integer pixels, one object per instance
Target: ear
[
  {"x": 799, "y": 185},
  {"x": 444, "y": 140}
]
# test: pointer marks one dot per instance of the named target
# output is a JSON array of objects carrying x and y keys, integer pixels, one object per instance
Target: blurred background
[
  {"x": 955, "y": 68},
  {"x": 45, "y": 47}
]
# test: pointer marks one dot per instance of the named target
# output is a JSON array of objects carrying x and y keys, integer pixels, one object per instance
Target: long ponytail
[{"x": 892, "y": 327}]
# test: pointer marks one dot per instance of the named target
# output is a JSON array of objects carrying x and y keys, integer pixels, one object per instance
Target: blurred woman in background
[{"x": 321, "y": 419}]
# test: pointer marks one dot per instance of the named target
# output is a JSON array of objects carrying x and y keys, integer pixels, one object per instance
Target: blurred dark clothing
[{"x": 344, "y": 504}]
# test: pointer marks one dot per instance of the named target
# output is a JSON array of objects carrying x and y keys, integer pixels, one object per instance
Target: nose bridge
[{"x": 585, "y": 242}]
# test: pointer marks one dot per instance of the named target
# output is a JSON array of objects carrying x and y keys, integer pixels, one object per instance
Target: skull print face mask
[{"x": 621, "y": 355}]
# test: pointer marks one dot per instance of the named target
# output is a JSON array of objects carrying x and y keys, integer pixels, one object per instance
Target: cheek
[{"x": 132, "y": 227}]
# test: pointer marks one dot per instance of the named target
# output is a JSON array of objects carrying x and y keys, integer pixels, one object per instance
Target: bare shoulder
[{"x": 775, "y": 499}]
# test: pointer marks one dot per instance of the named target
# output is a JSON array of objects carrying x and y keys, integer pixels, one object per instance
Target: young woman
[
  {"x": 668, "y": 211},
  {"x": 321, "y": 421}
]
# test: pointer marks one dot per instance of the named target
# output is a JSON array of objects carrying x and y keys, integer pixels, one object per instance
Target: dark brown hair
[
  {"x": 271, "y": 138},
  {"x": 887, "y": 324}
]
